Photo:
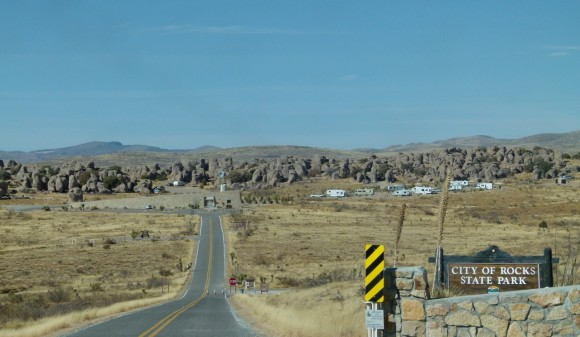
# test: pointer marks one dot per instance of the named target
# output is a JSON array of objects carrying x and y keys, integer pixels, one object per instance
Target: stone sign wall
[{"x": 546, "y": 312}]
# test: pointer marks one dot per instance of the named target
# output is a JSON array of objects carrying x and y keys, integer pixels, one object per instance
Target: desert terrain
[{"x": 63, "y": 267}]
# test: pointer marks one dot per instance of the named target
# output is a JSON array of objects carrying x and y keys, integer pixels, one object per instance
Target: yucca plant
[
  {"x": 398, "y": 231},
  {"x": 442, "y": 212}
]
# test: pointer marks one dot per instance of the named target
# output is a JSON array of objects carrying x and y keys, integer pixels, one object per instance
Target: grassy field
[
  {"x": 80, "y": 265},
  {"x": 314, "y": 248}
]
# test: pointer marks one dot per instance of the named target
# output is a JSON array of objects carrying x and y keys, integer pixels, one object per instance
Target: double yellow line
[{"x": 163, "y": 323}]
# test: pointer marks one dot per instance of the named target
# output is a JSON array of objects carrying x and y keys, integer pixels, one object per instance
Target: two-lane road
[{"x": 199, "y": 312}]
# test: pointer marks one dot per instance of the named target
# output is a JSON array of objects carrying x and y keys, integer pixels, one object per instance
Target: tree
[{"x": 111, "y": 182}]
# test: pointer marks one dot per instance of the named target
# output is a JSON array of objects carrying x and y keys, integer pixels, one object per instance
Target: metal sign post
[
  {"x": 374, "y": 319},
  {"x": 233, "y": 282}
]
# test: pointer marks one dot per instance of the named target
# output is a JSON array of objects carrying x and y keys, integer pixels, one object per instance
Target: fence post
[{"x": 548, "y": 264}]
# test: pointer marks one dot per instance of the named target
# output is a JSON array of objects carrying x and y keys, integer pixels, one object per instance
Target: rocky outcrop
[{"x": 478, "y": 164}]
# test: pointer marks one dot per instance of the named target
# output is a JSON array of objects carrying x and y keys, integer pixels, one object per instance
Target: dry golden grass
[
  {"x": 315, "y": 242},
  {"x": 53, "y": 199},
  {"x": 54, "y": 326},
  {"x": 326, "y": 311},
  {"x": 312, "y": 248},
  {"x": 62, "y": 260}
]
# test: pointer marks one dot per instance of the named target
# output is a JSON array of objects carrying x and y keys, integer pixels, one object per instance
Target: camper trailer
[
  {"x": 336, "y": 193},
  {"x": 362, "y": 192},
  {"x": 424, "y": 190},
  {"x": 456, "y": 187},
  {"x": 484, "y": 186},
  {"x": 401, "y": 193},
  {"x": 459, "y": 182},
  {"x": 395, "y": 187}
]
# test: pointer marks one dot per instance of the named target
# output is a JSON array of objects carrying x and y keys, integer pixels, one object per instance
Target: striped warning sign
[{"x": 374, "y": 281}]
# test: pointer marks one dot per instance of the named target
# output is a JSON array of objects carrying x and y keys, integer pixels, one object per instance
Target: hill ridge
[{"x": 566, "y": 142}]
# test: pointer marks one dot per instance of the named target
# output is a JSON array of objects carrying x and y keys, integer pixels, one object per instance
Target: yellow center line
[{"x": 163, "y": 323}]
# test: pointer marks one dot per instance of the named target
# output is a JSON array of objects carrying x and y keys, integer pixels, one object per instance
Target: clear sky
[{"x": 334, "y": 74}]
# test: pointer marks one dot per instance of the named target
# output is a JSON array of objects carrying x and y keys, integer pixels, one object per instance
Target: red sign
[{"x": 233, "y": 281}]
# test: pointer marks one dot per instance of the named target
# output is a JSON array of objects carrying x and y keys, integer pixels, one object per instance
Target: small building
[
  {"x": 336, "y": 193},
  {"x": 209, "y": 202},
  {"x": 361, "y": 192}
]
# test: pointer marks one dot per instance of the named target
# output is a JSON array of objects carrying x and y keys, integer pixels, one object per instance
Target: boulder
[
  {"x": 75, "y": 194},
  {"x": 3, "y": 189}
]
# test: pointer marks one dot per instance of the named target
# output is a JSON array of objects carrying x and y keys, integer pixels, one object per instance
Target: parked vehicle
[
  {"x": 424, "y": 190},
  {"x": 484, "y": 186},
  {"x": 456, "y": 187},
  {"x": 402, "y": 193},
  {"x": 364, "y": 192},
  {"x": 336, "y": 193}
]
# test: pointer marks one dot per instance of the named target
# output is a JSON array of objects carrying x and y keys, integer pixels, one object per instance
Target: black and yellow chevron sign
[{"x": 374, "y": 280}]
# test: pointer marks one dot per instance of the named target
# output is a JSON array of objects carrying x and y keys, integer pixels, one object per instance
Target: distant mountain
[
  {"x": 115, "y": 152},
  {"x": 90, "y": 149},
  {"x": 565, "y": 142}
]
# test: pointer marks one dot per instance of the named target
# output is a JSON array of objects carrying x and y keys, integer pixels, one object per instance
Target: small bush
[
  {"x": 111, "y": 182},
  {"x": 110, "y": 241},
  {"x": 154, "y": 282},
  {"x": 59, "y": 295},
  {"x": 165, "y": 272},
  {"x": 97, "y": 287},
  {"x": 288, "y": 281}
]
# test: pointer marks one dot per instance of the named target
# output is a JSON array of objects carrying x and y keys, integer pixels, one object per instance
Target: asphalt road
[{"x": 199, "y": 312}]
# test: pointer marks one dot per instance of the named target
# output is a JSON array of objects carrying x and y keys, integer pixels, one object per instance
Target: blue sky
[{"x": 333, "y": 74}]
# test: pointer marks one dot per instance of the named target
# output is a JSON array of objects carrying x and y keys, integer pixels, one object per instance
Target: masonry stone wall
[{"x": 546, "y": 312}]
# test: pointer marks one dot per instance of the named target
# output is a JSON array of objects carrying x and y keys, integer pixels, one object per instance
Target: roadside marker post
[
  {"x": 374, "y": 280},
  {"x": 374, "y": 288}
]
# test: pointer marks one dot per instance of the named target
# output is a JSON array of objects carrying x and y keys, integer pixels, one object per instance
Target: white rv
[
  {"x": 484, "y": 186},
  {"x": 456, "y": 187},
  {"x": 361, "y": 192},
  {"x": 424, "y": 190},
  {"x": 402, "y": 193},
  {"x": 460, "y": 182},
  {"x": 336, "y": 193}
]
